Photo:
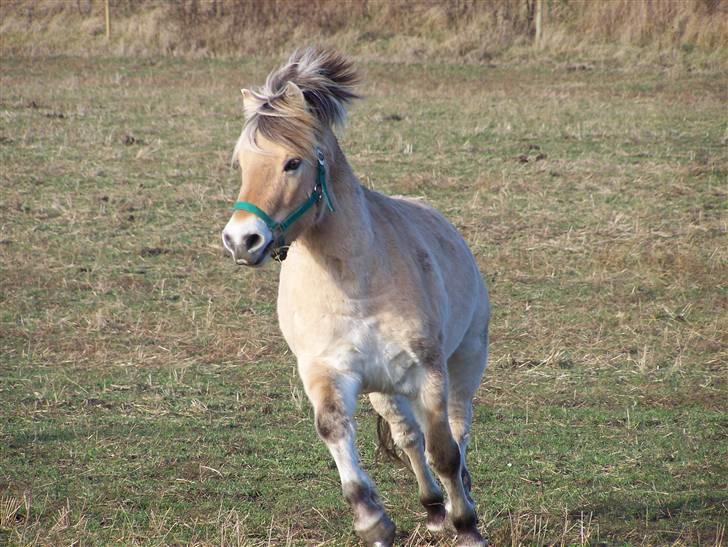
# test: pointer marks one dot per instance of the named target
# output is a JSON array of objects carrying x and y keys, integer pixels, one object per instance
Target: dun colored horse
[{"x": 377, "y": 295}]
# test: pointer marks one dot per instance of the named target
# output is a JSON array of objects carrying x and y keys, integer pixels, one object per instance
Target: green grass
[{"x": 147, "y": 396}]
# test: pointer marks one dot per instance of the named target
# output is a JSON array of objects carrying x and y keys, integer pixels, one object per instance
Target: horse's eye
[{"x": 292, "y": 165}]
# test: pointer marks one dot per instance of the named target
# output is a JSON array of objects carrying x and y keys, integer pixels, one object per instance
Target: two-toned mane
[
  {"x": 324, "y": 78},
  {"x": 377, "y": 295}
]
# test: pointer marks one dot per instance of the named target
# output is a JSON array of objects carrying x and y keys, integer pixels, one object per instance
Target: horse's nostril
[
  {"x": 252, "y": 240},
  {"x": 228, "y": 240}
]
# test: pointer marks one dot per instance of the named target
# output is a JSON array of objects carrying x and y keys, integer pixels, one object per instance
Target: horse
[{"x": 377, "y": 295}]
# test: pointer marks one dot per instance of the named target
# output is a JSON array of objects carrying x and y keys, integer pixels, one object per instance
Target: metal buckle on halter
[{"x": 318, "y": 192}]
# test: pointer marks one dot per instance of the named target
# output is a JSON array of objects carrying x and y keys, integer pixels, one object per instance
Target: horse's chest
[
  {"x": 384, "y": 360},
  {"x": 377, "y": 352}
]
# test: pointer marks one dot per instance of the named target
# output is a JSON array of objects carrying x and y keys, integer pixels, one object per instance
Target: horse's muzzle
[
  {"x": 244, "y": 256},
  {"x": 247, "y": 242}
]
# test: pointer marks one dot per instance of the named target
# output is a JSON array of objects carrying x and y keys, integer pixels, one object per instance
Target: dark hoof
[
  {"x": 470, "y": 539},
  {"x": 436, "y": 517},
  {"x": 380, "y": 534}
]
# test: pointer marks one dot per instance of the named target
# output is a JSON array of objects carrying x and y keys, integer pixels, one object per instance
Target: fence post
[
  {"x": 108, "y": 22},
  {"x": 539, "y": 22}
]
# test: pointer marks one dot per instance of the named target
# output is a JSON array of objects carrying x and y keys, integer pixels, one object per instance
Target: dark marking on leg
[
  {"x": 436, "y": 513},
  {"x": 437, "y": 499},
  {"x": 357, "y": 493},
  {"x": 466, "y": 523},
  {"x": 445, "y": 456},
  {"x": 331, "y": 421}
]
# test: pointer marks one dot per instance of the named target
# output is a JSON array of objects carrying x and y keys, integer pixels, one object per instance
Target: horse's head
[{"x": 284, "y": 156}]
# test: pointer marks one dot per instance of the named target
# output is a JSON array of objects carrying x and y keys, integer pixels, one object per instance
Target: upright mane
[{"x": 308, "y": 93}]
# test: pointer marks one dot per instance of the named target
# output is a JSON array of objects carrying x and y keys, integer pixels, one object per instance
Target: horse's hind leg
[
  {"x": 443, "y": 452},
  {"x": 465, "y": 370},
  {"x": 408, "y": 438},
  {"x": 334, "y": 399}
]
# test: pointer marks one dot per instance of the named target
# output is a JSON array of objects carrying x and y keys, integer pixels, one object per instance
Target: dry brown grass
[{"x": 464, "y": 30}]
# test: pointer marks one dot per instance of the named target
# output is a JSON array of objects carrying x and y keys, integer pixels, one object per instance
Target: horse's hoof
[
  {"x": 380, "y": 534},
  {"x": 436, "y": 517},
  {"x": 470, "y": 539}
]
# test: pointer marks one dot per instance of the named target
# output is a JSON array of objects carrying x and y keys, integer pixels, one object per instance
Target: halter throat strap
[{"x": 279, "y": 229}]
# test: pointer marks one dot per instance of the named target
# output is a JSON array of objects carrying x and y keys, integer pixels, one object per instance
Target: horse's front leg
[{"x": 333, "y": 396}]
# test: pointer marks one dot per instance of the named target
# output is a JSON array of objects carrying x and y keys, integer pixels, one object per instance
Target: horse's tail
[{"x": 387, "y": 446}]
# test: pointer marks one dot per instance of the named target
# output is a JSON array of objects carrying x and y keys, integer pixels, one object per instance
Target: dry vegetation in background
[{"x": 421, "y": 30}]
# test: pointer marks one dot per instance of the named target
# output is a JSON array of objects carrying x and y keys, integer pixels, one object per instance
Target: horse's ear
[
  {"x": 251, "y": 103},
  {"x": 294, "y": 95}
]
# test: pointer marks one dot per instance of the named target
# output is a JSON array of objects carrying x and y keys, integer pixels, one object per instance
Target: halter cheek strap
[{"x": 279, "y": 229}]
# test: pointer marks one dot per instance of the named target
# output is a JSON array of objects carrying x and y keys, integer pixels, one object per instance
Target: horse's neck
[{"x": 345, "y": 233}]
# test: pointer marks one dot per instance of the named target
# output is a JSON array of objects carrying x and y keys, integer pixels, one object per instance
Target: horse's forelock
[{"x": 325, "y": 78}]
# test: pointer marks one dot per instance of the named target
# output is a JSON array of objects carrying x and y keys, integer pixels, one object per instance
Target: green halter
[{"x": 279, "y": 228}]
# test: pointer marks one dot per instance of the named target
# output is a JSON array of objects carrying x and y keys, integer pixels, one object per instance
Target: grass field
[{"x": 146, "y": 395}]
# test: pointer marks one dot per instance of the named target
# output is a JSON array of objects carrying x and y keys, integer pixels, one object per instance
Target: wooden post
[
  {"x": 539, "y": 21},
  {"x": 108, "y": 22}
]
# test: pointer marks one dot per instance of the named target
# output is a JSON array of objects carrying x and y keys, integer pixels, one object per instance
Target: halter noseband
[{"x": 279, "y": 228}]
